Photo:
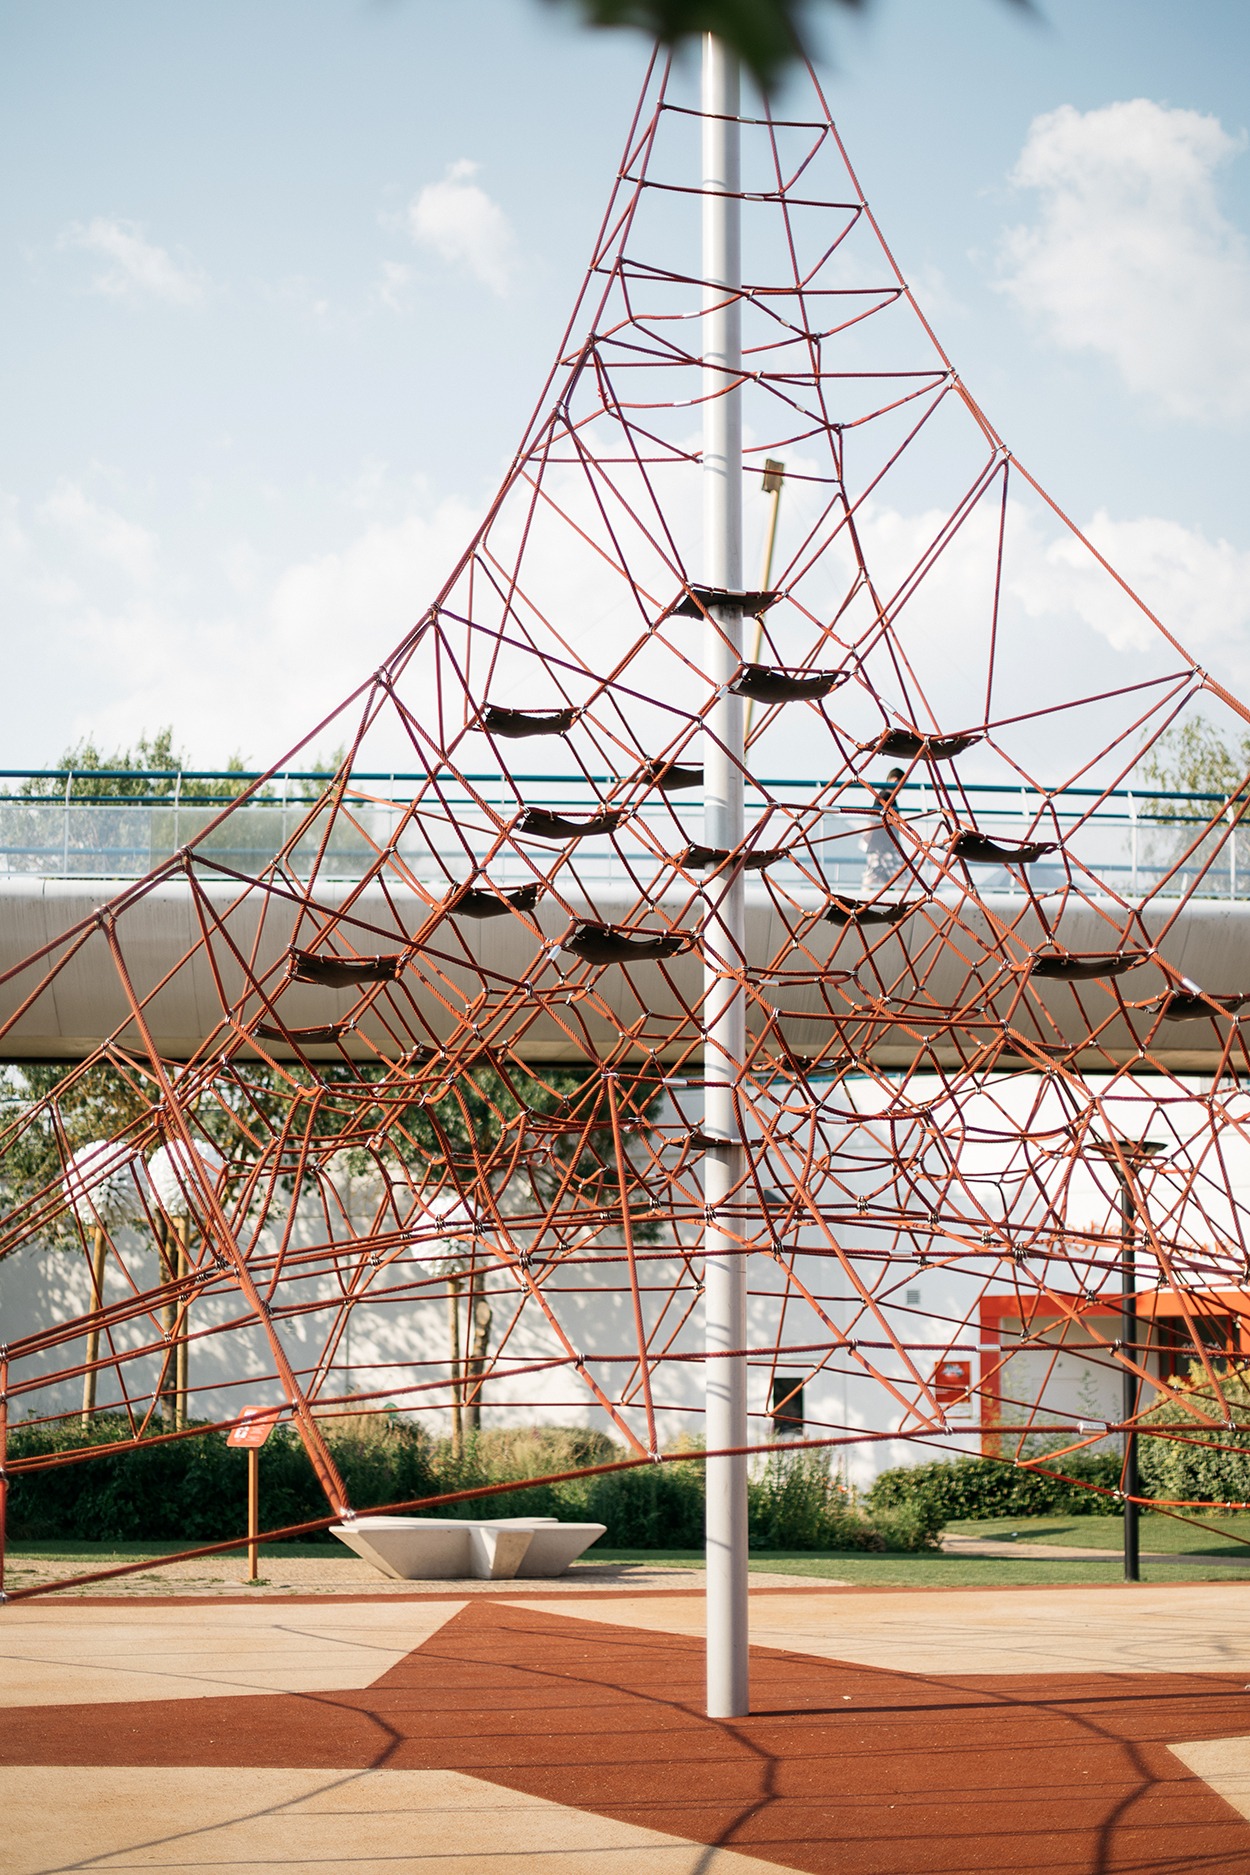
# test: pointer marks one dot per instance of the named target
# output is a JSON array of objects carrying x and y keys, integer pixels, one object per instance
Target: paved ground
[
  {"x": 1080, "y": 1731},
  {"x": 308, "y": 1575}
]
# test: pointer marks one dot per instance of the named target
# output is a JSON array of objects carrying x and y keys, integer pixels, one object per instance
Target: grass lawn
[
  {"x": 1192, "y": 1548},
  {"x": 1212, "y": 1536},
  {"x": 935, "y": 1570}
]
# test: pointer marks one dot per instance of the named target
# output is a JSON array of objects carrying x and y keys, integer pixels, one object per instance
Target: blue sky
[{"x": 282, "y": 281}]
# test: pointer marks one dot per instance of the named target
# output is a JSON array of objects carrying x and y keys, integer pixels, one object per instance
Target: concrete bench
[{"x": 423, "y": 1549}]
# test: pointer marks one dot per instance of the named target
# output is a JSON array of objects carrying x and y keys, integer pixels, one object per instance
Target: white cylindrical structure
[
  {"x": 174, "y": 1171},
  {"x": 724, "y": 1263}
]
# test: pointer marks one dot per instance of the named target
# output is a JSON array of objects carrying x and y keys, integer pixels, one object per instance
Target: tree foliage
[
  {"x": 1196, "y": 757},
  {"x": 769, "y": 36},
  {"x": 151, "y": 770}
]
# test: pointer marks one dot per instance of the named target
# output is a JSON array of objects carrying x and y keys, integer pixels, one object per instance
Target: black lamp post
[{"x": 1125, "y": 1157}]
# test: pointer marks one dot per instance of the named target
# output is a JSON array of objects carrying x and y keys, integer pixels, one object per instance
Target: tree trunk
[
  {"x": 480, "y": 1318},
  {"x": 453, "y": 1322}
]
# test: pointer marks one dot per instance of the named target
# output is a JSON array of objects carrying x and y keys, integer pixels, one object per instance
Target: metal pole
[
  {"x": 724, "y": 1268},
  {"x": 1128, "y": 1336}
]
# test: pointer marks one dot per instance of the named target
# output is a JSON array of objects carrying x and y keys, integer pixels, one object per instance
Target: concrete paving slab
[
  {"x": 70, "y": 1653},
  {"x": 1137, "y": 1628},
  {"x": 371, "y": 1823},
  {"x": 1223, "y": 1763}
]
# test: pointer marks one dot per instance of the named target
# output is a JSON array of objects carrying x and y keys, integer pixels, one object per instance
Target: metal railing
[{"x": 120, "y": 824}]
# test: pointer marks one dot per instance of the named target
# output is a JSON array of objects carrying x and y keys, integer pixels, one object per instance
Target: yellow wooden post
[{"x": 93, "y": 1333}]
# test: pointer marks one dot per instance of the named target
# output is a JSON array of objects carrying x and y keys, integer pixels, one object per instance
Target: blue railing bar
[{"x": 244, "y": 778}]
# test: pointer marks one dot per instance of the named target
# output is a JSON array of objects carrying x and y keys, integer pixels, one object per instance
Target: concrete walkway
[{"x": 894, "y": 1732}]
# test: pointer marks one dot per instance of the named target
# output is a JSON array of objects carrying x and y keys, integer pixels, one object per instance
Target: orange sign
[
  {"x": 951, "y": 1382},
  {"x": 255, "y": 1425}
]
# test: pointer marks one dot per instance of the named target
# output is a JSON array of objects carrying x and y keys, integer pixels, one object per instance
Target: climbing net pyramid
[{"x": 445, "y": 1041}]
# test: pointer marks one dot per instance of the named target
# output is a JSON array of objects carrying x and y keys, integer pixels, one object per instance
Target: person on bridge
[{"x": 884, "y": 857}]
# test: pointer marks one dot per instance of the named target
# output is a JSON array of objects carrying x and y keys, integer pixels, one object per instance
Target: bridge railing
[{"x": 59, "y": 824}]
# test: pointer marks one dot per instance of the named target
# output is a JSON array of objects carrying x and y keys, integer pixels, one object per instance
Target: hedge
[
  {"x": 962, "y": 1489},
  {"x": 193, "y": 1490},
  {"x": 1208, "y": 1463}
]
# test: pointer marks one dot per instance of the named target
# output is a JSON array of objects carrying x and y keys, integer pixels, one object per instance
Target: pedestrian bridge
[{"x": 1159, "y": 873}]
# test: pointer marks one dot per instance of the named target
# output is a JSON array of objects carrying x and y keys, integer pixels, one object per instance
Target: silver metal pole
[{"x": 724, "y": 1265}]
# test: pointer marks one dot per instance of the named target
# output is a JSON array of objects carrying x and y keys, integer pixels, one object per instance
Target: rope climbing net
[{"x": 422, "y": 1132}]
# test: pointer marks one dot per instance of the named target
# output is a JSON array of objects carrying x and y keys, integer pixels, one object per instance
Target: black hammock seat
[
  {"x": 670, "y": 776},
  {"x": 695, "y": 602},
  {"x": 342, "y": 973},
  {"x": 474, "y": 902},
  {"x": 770, "y": 683},
  {"x": 861, "y": 911},
  {"x": 541, "y": 824},
  {"x": 518, "y": 724},
  {"x": 977, "y": 849},
  {"x": 1085, "y": 966},
  {"x": 908, "y": 745},
  {"x": 323, "y": 1032},
  {"x": 1189, "y": 1005},
  {"x": 703, "y": 858},
  {"x": 610, "y": 944}
]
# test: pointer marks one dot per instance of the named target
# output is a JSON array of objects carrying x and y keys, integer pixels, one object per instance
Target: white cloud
[
  {"x": 464, "y": 227},
  {"x": 1200, "y": 588},
  {"x": 1131, "y": 256},
  {"x": 112, "y": 645},
  {"x": 102, "y": 532},
  {"x": 137, "y": 269},
  {"x": 389, "y": 287}
]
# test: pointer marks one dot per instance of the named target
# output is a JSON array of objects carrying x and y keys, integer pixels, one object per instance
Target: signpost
[{"x": 255, "y": 1423}]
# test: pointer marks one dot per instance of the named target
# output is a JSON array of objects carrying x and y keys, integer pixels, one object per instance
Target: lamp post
[
  {"x": 1125, "y": 1157},
  {"x": 724, "y": 1266}
]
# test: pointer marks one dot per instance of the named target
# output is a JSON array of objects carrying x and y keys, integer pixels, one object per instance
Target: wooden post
[
  {"x": 253, "y": 1513},
  {"x": 772, "y": 483},
  {"x": 93, "y": 1334},
  {"x": 182, "y": 1352},
  {"x": 453, "y": 1323},
  {"x": 166, "y": 1385}
]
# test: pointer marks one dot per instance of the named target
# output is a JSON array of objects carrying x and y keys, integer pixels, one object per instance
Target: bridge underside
[{"x": 949, "y": 986}]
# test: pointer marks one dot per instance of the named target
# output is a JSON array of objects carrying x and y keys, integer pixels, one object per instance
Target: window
[
  {"x": 787, "y": 1406},
  {"x": 1170, "y": 1336}
]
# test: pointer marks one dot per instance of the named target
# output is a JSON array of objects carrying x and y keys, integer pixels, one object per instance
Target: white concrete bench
[{"x": 422, "y": 1549}]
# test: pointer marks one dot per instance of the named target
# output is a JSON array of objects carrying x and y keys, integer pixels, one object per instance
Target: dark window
[
  {"x": 1170, "y": 1336},
  {"x": 787, "y": 1406}
]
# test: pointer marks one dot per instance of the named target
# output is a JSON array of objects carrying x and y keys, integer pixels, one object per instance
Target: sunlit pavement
[{"x": 893, "y": 1731}]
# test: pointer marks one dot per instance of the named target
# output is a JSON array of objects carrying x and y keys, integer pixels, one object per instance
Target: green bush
[
  {"x": 954, "y": 1491},
  {"x": 1209, "y": 1463},
  {"x": 194, "y": 1490},
  {"x": 794, "y": 1503}
]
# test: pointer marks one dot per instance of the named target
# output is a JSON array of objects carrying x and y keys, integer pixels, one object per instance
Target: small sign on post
[
  {"x": 952, "y": 1387},
  {"x": 253, "y": 1427}
]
